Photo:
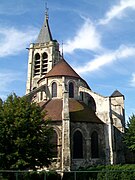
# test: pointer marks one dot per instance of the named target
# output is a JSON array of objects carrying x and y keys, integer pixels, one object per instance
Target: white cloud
[
  {"x": 86, "y": 38},
  {"x": 6, "y": 78},
  {"x": 106, "y": 58},
  {"x": 13, "y": 40},
  {"x": 132, "y": 83},
  {"x": 117, "y": 11}
]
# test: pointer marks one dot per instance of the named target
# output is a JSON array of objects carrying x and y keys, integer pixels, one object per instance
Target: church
[{"x": 88, "y": 127}]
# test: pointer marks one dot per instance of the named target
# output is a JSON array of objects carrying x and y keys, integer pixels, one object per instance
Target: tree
[
  {"x": 130, "y": 133},
  {"x": 24, "y": 135}
]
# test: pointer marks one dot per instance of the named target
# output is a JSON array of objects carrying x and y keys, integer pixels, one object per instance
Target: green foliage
[
  {"x": 39, "y": 175},
  {"x": 24, "y": 136},
  {"x": 116, "y": 172},
  {"x": 68, "y": 176},
  {"x": 31, "y": 175},
  {"x": 130, "y": 133},
  {"x": 111, "y": 172}
]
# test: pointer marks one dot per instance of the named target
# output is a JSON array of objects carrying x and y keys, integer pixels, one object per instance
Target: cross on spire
[
  {"x": 46, "y": 10},
  {"x": 45, "y": 33}
]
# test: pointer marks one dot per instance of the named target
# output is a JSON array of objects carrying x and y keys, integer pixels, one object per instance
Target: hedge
[{"x": 110, "y": 172}]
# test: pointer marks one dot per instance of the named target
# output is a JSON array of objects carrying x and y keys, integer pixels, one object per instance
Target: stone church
[{"x": 88, "y": 127}]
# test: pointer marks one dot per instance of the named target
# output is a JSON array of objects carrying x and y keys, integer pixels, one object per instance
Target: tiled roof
[
  {"x": 79, "y": 112},
  {"x": 62, "y": 68},
  {"x": 53, "y": 109}
]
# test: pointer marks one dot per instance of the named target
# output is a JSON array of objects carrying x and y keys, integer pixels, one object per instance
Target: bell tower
[{"x": 43, "y": 55}]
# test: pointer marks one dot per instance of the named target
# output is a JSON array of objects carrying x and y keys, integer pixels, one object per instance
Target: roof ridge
[
  {"x": 116, "y": 93},
  {"x": 62, "y": 68}
]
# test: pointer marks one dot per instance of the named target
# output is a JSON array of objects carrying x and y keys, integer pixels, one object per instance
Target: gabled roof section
[
  {"x": 62, "y": 68},
  {"x": 45, "y": 33},
  {"x": 116, "y": 93}
]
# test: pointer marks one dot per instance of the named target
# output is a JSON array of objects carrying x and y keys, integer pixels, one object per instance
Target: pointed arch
[
  {"x": 71, "y": 90},
  {"x": 77, "y": 145},
  {"x": 54, "y": 142},
  {"x": 81, "y": 96},
  {"x": 41, "y": 95},
  {"x": 94, "y": 145},
  {"x": 91, "y": 102},
  {"x": 37, "y": 64},
  {"x": 54, "y": 89},
  {"x": 37, "y": 56},
  {"x": 44, "y": 55},
  {"x": 44, "y": 63}
]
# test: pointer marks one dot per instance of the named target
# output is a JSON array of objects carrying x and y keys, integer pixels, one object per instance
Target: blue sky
[{"x": 98, "y": 37}]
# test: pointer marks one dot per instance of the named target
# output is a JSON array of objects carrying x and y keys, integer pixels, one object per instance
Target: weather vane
[{"x": 46, "y": 9}]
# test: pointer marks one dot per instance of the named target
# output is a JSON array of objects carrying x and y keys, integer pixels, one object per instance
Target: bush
[
  {"x": 116, "y": 172},
  {"x": 33, "y": 175},
  {"x": 111, "y": 172}
]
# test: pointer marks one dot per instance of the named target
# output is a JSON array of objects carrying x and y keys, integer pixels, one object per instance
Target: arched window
[
  {"x": 44, "y": 55},
  {"x": 37, "y": 56},
  {"x": 41, "y": 95},
  {"x": 54, "y": 89},
  {"x": 35, "y": 95},
  {"x": 77, "y": 145},
  {"x": 54, "y": 142},
  {"x": 81, "y": 96},
  {"x": 91, "y": 102},
  {"x": 44, "y": 63},
  {"x": 37, "y": 64},
  {"x": 71, "y": 90},
  {"x": 94, "y": 145}
]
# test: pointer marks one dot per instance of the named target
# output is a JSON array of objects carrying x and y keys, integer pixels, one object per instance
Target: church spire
[
  {"x": 46, "y": 12},
  {"x": 45, "y": 33}
]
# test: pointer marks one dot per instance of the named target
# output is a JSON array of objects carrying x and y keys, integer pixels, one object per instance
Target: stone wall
[{"x": 87, "y": 129}]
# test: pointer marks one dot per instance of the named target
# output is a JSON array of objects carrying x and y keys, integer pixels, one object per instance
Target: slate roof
[
  {"x": 45, "y": 33},
  {"x": 116, "y": 93},
  {"x": 79, "y": 112}
]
